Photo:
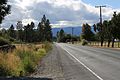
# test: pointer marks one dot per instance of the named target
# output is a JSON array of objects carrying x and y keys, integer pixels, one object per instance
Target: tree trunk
[
  {"x": 118, "y": 44},
  {"x": 105, "y": 44},
  {"x": 109, "y": 43},
  {"x": 113, "y": 41},
  {"x": 102, "y": 42}
]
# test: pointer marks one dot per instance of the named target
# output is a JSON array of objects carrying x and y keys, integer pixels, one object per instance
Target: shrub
[
  {"x": 27, "y": 57},
  {"x": 30, "y": 57},
  {"x": 48, "y": 46},
  {"x": 84, "y": 42},
  {"x": 3, "y": 41},
  {"x": 40, "y": 53},
  {"x": 29, "y": 65}
]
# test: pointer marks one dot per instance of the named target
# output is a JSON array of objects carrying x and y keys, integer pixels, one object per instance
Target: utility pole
[
  {"x": 100, "y": 12},
  {"x": 101, "y": 23},
  {"x": 72, "y": 35}
]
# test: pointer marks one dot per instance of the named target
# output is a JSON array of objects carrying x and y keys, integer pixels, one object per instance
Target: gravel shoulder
[
  {"x": 50, "y": 66},
  {"x": 59, "y": 65}
]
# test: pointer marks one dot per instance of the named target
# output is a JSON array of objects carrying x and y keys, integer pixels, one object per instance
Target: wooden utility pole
[
  {"x": 102, "y": 39},
  {"x": 72, "y": 35},
  {"x": 100, "y": 12}
]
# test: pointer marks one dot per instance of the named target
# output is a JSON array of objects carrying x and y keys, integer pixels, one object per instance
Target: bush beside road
[{"x": 23, "y": 60}]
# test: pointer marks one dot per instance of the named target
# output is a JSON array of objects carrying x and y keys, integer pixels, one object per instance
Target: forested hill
[{"x": 77, "y": 30}]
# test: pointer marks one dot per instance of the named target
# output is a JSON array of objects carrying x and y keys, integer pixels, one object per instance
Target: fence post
[{"x": 118, "y": 44}]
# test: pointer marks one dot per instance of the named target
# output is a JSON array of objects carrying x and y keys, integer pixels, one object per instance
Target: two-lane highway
[
  {"x": 75, "y": 62},
  {"x": 104, "y": 64}
]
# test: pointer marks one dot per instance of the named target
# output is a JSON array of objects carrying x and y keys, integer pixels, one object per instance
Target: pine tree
[
  {"x": 4, "y": 9},
  {"x": 48, "y": 35},
  {"x": 31, "y": 32},
  {"x": 40, "y": 32},
  {"x": 87, "y": 34},
  {"x": 61, "y": 35},
  {"x": 11, "y": 32},
  {"x": 100, "y": 30},
  {"x": 115, "y": 27},
  {"x": 44, "y": 30},
  {"x": 27, "y": 36}
]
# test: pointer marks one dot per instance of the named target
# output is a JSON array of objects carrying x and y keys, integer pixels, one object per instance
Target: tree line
[
  {"x": 29, "y": 33},
  {"x": 64, "y": 37},
  {"x": 26, "y": 33},
  {"x": 108, "y": 31}
]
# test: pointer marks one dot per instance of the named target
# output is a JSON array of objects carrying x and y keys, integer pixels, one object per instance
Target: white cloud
[{"x": 61, "y": 13}]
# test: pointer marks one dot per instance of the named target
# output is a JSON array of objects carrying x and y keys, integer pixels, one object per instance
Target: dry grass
[
  {"x": 23, "y": 59},
  {"x": 11, "y": 63},
  {"x": 14, "y": 64}
]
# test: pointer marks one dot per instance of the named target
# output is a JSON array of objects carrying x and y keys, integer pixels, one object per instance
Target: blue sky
[{"x": 112, "y": 3}]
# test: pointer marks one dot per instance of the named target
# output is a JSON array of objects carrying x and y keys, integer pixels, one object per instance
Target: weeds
[{"x": 22, "y": 61}]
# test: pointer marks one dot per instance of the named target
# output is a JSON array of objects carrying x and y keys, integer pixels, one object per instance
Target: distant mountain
[{"x": 68, "y": 30}]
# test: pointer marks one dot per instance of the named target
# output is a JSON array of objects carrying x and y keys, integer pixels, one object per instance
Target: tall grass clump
[
  {"x": 27, "y": 58},
  {"x": 10, "y": 65},
  {"x": 48, "y": 46},
  {"x": 30, "y": 57}
]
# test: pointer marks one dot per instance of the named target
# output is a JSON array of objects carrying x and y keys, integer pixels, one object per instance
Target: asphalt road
[
  {"x": 75, "y": 62},
  {"x": 104, "y": 64}
]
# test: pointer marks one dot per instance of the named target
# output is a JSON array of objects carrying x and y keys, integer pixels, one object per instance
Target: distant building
[{"x": 19, "y": 25}]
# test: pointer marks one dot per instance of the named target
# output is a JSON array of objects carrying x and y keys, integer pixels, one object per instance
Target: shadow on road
[{"x": 24, "y": 78}]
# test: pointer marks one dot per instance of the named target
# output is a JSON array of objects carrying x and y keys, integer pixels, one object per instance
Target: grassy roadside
[
  {"x": 97, "y": 44},
  {"x": 23, "y": 60}
]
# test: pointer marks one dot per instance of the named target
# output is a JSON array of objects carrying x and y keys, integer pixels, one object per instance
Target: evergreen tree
[
  {"x": 61, "y": 35},
  {"x": 40, "y": 32},
  {"x": 48, "y": 35},
  {"x": 4, "y": 9},
  {"x": 11, "y": 32},
  {"x": 87, "y": 34},
  {"x": 57, "y": 36},
  {"x": 44, "y": 30},
  {"x": 115, "y": 27},
  {"x": 32, "y": 32},
  {"x": 100, "y": 33},
  {"x": 95, "y": 27},
  {"x": 27, "y": 34},
  {"x": 107, "y": 28}
]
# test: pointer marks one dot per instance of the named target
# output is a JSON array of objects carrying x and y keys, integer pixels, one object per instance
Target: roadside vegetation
[
  {"x": 105, "y": 34},
  {"x": 22, "y": 48},
  {"x": 23, "y": 60}
]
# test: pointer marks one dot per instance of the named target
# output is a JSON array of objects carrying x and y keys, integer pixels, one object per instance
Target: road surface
[{"x": 75, "y": 62}]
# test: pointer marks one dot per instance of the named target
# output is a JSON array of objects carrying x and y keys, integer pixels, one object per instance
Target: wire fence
[{"x": 105, "y": 44}]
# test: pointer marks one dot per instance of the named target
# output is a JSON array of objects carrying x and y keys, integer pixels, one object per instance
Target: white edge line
[{"x": 84, "y": 65}]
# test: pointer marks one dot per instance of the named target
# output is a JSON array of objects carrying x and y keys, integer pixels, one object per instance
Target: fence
[
  {"x": 105, "y": 44},
  {"x": 6, "y": 48}
]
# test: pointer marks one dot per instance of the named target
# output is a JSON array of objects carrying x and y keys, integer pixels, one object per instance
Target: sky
[
  {"x": 62, "y": 13},
  {"x": 110, "y": 3}
]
